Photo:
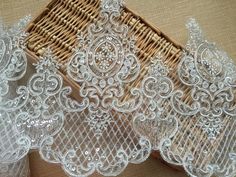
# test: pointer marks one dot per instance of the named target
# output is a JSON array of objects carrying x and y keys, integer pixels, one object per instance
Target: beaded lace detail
[
  {"x": 211, "y": 76},
  {"x": 114, "y": 121},
  {"x": 156, "y": 119},
  {"x": 42, "y": 113},
  {"x": 101, "y": 137},
  {"x": 12, "y": 68}
]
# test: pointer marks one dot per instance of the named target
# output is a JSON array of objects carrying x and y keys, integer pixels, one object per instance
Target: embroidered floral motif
[
  {"x": 101, "y": 137},
  {"x": 13, "y": 60},
  {"x": 205, "y": 141},
  {"x": 13, "y": 64},
  {"x": 156, "y": 119},
  {"x": 99, "y": 121},
  {"x": 212, "y": 77},
  {"x": 111, "y": 5},
  {"x": 42, "y": 114},
  {"x": 104, "y": 62}
]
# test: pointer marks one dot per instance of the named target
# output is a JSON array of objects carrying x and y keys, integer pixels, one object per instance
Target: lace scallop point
[
  {"x": 209, "y": 139},
  {"x": 102, "y": 137}
]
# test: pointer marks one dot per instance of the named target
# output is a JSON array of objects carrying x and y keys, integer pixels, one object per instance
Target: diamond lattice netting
[{"x": 17, "y": 169}]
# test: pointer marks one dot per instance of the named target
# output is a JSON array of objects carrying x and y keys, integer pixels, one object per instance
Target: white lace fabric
[
  {"x": 113, "y": 124},
  {"x": 96, "y": 133},
  {"x": 199, "y": 133},
  {"x": 16, "y": 169},
  {"x": 207, "y": 146},
  {"x": 99, "y": 135},
  {"x": 13, "y": 63}
]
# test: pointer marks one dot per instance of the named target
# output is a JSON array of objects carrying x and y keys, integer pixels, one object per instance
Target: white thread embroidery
[
  {"x": 42, "y": 114},
  {"x": 101, "y": 137},
  {"x": 212, "y": 77},
  {"x": 156, "y": 119},
  {"x": 19, "y": 168},
  {"x": 12, "y": 68},
  {"x": 205, "y": 142},
  {"x": 103, "y": 63}
]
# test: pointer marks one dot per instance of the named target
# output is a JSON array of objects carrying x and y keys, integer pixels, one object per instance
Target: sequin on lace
[
  {"x": 101, "y": 137},
  {"x": 205, "y": 147},
  {"x": 13, "y": 65}
]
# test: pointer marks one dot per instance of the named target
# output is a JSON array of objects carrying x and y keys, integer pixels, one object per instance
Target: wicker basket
[{"x": 57, "y": 27}]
